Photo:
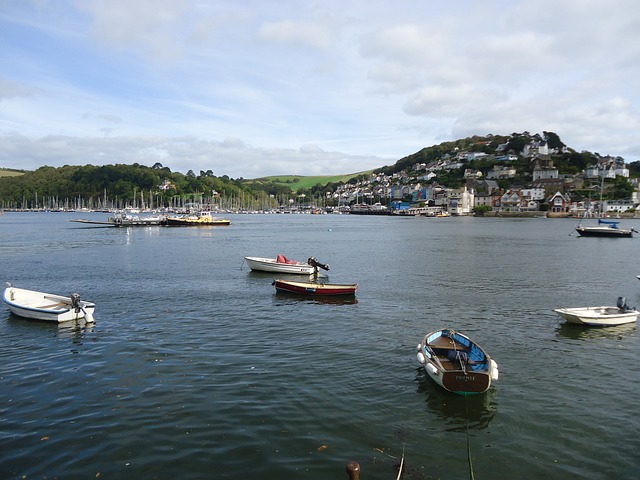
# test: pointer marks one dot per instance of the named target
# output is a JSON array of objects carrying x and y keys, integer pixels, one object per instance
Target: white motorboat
[
  {"x": 282, "y": 264},
  {"x": 604, "y": 316},
  {"x": 605, "y": 228},
  {"x": 457, "y": 363},
  {"x": 46, "y": 306}
]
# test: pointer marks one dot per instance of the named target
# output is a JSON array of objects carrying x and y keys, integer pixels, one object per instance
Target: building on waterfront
[{"x": 559, "y": 203}]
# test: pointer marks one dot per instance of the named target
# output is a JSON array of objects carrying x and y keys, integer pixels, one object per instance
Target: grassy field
[
  {"x": 10, "y": 173},
  {"x": 299, "y": 182}
]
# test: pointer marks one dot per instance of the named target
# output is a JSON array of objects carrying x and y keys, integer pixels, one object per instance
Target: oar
[{"x": 401, "y": 466}]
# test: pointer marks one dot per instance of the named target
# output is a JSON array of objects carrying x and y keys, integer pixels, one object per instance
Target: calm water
[{"x": 196, "y": 369}]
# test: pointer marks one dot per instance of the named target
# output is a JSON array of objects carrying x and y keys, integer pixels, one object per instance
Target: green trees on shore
[{"x": 117, "y": 186}]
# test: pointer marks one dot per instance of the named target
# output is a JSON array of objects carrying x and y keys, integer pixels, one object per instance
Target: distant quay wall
[
  {"x": 548, "y": 215},
  {"x": 513, "y": 214}
]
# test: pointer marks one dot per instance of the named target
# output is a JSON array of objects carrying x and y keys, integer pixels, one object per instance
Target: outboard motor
[
  {"x": 622, "y": 304},
  {"x": 75, "y": 301},
  {"x": 313, "y": 261}
]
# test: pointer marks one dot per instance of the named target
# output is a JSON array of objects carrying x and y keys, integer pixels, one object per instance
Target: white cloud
[
  {"x": 296, "y": 33},
  {"x": 256, "y": 88},
  {"x": 229, "y": 157}
]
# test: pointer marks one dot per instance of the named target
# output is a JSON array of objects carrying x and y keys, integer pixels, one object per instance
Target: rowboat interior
[{"x": 454, "y": 355}]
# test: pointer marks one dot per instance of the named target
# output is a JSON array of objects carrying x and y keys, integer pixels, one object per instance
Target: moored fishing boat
[
  {"x": 456, "y": 363},
  {"x": 282, "y": 264},
  {"x": 315, "y": 288},
  {"x": 47, "y": 306},
  {"x": 201, "y": 218}
]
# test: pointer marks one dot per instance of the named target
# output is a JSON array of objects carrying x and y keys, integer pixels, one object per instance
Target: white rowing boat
[
  {"x": 47, "y": 306},
  {"x": 456, "y": 363}
]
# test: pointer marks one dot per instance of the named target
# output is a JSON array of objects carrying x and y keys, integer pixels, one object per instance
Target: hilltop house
[{"x": 535, "y": 148}]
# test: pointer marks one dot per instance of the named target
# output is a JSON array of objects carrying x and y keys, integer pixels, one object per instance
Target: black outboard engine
[
  {"x": 313, "y": 261},
  {"x": 622, "y": 304},
  {"x": 75, "y": 301}
]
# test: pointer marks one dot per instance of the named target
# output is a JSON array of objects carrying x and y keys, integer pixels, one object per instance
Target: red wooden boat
[{"x": 313, "y": 288}]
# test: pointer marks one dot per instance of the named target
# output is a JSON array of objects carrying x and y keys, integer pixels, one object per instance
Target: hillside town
[
  {"x": 417, "y": 191},
  {"x": 517, "y": 175}
]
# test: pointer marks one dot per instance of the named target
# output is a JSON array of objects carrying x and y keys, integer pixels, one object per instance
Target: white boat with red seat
[{"x": 282, "y": 264}]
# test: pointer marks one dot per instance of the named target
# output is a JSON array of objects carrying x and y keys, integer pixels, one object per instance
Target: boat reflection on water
[
  {"x": 459, "y": 412},
  {"x": 290, "y": 298},
  {"x": 75, "y": 330},
  {"x": 586, "y": 332}
]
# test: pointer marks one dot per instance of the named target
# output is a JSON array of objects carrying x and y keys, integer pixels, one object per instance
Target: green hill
[
  {"x": 300, "y": 182},
  {"x": 7, "y": 172}
]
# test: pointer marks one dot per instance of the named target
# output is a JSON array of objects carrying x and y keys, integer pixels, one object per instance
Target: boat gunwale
[
  {"x": 315, "y": 288},
  {"x": 592, "y": 312}
]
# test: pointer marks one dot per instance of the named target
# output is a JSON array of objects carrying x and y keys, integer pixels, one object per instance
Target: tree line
[{"x": 119, "y": 186}]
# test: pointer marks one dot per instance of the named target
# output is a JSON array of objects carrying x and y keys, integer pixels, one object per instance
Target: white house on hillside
[
  {"x": 544, "y": 173},
  {"x": 535, "y": 148}
]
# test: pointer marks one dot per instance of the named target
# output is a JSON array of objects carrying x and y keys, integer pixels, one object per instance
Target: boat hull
[
  {"x": 603, "y": 316},
  {"x": 46, "y": 307},
  {"x": 463, "y": 383},
  {"x": 271, "y": 265},
  {"x": 311, "y": 288},
  {"x": 456, "y": 363},
  {"x": 190, "y": 222},
  {"x": 604, "y": 232}
]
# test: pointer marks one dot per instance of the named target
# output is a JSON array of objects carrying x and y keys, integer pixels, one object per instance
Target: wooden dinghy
[
  {"x": 46, "y": 306},
  {"x": 314, "y": 288},
  {"x": 457, "y": 363}
]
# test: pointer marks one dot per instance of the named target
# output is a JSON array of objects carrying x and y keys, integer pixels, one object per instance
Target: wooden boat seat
[
  {"x": 448, "y": 364},
  {"x": 53, "y": 305},
  {"x": 446, "y": 343}
]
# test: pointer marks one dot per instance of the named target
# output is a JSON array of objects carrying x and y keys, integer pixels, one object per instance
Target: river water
[{"x": 196, "y": 369}]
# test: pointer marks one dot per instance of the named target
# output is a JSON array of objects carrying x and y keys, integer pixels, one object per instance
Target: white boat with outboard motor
[
  {"x": 603, "y": 316},
  {"x": 282, "y": 264},
  {"x": 47, "y": 306}
]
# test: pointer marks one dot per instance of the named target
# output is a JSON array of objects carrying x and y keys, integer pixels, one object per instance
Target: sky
[{"x": 250, "y": 88}]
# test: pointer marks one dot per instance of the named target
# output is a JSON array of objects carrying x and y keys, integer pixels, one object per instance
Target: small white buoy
[
  {"x": 431, "y": 369},
  {"x": 420, "y": 357}
]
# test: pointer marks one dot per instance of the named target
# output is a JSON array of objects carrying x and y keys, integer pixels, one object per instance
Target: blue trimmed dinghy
[{"x": 456, "y": 363}]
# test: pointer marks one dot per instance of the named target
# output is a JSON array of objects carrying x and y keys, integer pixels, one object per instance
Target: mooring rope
[{"x": 466, "y": 411}]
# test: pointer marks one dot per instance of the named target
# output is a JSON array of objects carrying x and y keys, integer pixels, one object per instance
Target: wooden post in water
[{"x": 353, "y": 469}]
